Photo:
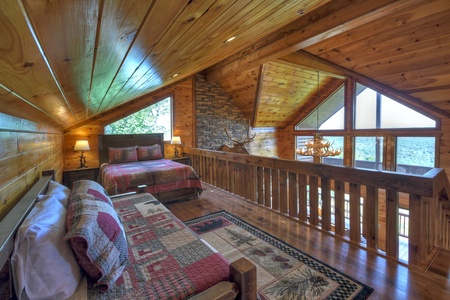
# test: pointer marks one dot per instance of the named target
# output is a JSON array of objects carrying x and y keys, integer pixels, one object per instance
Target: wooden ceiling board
[
  {"x": 23, "y": 70},
  {"x": 120, "y": 22},
  {"x": 66, "y": 32},
  {"x": 140, "y": 58}
]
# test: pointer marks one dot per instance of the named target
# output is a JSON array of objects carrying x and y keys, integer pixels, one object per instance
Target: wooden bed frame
[
  {"x": 242, "y": 271},
  {"x": 148, "y": 139}
]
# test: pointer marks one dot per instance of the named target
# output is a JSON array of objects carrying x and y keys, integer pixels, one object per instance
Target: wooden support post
[{"x": 243, "y": 273}]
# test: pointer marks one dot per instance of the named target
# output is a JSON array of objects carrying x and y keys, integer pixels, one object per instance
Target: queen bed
[
  {"x": 84, "y": 244},
  {"x": 130, "y": 160}
]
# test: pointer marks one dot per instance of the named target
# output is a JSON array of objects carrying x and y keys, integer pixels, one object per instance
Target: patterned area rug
[{"x": 283, "y": 272}]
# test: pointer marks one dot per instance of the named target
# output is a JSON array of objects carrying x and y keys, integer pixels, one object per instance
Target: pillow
[
  {"x": 43, "y": 264},
  {"x": 97, "y": 239},
  {"x": 59, "y": 191},
  {"x": 122, "y": 155},
  {"x": 149, "y": 152},
  {"x": 89, "y": 190}
]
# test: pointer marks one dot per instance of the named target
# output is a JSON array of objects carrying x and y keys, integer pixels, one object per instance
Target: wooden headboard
[{"x": 126, "y": 140}]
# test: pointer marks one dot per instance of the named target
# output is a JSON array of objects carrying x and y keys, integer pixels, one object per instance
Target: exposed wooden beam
[{"x": 258, "y": 94}]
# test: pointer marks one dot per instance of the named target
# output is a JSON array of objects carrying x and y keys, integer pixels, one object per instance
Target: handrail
[{"x": 310, "y": 191}]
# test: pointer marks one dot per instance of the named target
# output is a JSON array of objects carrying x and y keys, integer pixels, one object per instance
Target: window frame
[
  {"x": 389, "y": 135},
  {"x": 137, "y": 109}
]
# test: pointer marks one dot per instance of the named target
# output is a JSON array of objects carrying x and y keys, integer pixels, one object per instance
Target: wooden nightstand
[
  {"x": 70, "y": 176},
  {"x": 182, "y": 160}
]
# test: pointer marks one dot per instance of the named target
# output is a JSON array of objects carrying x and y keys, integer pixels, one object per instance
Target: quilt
[
  {"x": 167, "y": 260},
  {"x": 161, "y": 175}
]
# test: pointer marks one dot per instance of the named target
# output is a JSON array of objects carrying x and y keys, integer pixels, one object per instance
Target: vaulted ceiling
[{"x": 64, "y": 62}]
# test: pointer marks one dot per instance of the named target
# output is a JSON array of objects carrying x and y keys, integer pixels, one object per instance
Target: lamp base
[
  {"x": 82, "y": 161},
  {"x": 176, "y": 152}
]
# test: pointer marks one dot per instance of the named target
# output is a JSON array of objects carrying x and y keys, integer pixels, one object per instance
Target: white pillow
[
  {"x": 43, "y": 264},
  {"x": 61, "y": 192}
]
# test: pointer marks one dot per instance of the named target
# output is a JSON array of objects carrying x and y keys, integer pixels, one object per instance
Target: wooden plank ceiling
[{"x": 63, "y": 63}]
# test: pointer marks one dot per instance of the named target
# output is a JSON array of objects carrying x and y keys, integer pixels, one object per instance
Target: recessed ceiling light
[
  {"x": 175, "y": 75},
  {"x": 229, "y": 40}
]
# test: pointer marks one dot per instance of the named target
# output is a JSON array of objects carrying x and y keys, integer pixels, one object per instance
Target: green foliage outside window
[{"x": 153, "y": 119}]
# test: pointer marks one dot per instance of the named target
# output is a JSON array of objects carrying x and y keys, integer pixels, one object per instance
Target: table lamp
[
  {"x": 82, "y": 145},
  {"x": 176, "y": 141}
]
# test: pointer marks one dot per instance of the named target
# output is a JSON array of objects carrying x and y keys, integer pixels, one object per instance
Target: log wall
[{"x": 27, "y": 148}]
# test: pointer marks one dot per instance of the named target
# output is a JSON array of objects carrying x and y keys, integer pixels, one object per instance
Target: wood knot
[{"x": 28, "y": 65}]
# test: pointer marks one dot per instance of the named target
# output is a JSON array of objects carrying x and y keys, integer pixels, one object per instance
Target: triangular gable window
[
  {"x": 377, "y": 111},
  {"x": 328, "y": 116}
]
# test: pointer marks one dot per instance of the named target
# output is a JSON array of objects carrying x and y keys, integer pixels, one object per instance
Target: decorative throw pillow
[
  {"x": 89, "y": 190},
  {"x": 43, "y": 264},
  {"x": 149, "y": 152},
  {"x": 122, "y": 155},
  {"x": 97, "y": 239}
]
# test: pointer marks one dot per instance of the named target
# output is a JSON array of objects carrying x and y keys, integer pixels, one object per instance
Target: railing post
[{"x": 392, "y": 223}]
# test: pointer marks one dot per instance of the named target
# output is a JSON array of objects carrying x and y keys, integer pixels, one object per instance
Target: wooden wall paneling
[
  {"x": 313, "y": 200},
  {"x": 326, "y": 203},
  {"x": 392, "y": 239},
  {"x": 355, "y": 212}
]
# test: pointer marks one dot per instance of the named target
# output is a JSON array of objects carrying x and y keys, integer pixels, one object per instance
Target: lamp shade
[
  {"x": 81, "y": 145},
  {"x": 176, "y": 140}
]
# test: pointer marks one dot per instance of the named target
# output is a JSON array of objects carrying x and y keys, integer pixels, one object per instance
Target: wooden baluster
[
  {"x": 392, "y": 239},
  {"x": 313, "y": 200},
  {"x": 283, "y": 192},
  {"x": 260, "y": 184},
  {"x": 252, "y": 185},
  {"x": 371, "y": 216},
  {"x": 326, "y": 204},
  {"x": 339, "y": 202},
  {"x": 293, "y": 200},
  {"x": 275, "y": 190},
  {"x": 267, "y": 193},
  {"x": 303, "y": 197},
  {"x": 415, "y": 223},
  {"x": 355, "y": 212}
]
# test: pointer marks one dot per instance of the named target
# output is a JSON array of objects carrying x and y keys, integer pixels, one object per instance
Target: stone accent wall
[{"x": 216, "y": 110}]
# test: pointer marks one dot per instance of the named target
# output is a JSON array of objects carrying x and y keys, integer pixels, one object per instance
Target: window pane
[
  {"x": 376, "y": 111},
  {"x": 156, "y": 118},
  {"x": 369, "y": 152},
  {"x": 300, "y": 142},
  {"x": 396, "y": 115},
  {"x": 415, "y": 155},
  {"x": 329, "y": 115},
  {"x": 338, "y": 143},
  {"x": 366, "y": 108}
]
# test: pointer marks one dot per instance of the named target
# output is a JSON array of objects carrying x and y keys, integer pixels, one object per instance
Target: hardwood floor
[{"x": 389, "y": 279}]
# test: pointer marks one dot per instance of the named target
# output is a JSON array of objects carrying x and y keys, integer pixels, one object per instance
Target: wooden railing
[{"x": 309, "y": 191}]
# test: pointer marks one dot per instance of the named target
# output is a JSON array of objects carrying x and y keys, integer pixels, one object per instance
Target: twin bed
[{"x": 161, "y": 258}]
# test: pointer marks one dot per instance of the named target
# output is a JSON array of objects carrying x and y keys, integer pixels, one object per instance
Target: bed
[
  {"x": 151, "y": 233},
  {"x": 123, "y": 169}
]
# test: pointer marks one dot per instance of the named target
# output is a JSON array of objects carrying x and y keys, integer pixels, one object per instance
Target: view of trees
[{"x": 153, "y": 119}]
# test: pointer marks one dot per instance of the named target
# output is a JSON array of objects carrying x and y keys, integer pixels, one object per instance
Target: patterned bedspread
[
  {"x": 166, "y": 259},
  {"x": 159, "y": 175}
]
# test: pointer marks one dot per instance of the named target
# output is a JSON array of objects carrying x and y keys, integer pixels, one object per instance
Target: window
[
  {"x": 328, "y": 116},
  {"x": 155, "y": 118},
  {"x": 376, "y": 111},
  {"x": 369, "y": 152},
  {"x": 300, "y": 143},
  {"x": 415, "y": 155}
]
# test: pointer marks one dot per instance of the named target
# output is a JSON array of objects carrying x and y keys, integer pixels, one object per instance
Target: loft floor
[{"x": 390, "y": 279}]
